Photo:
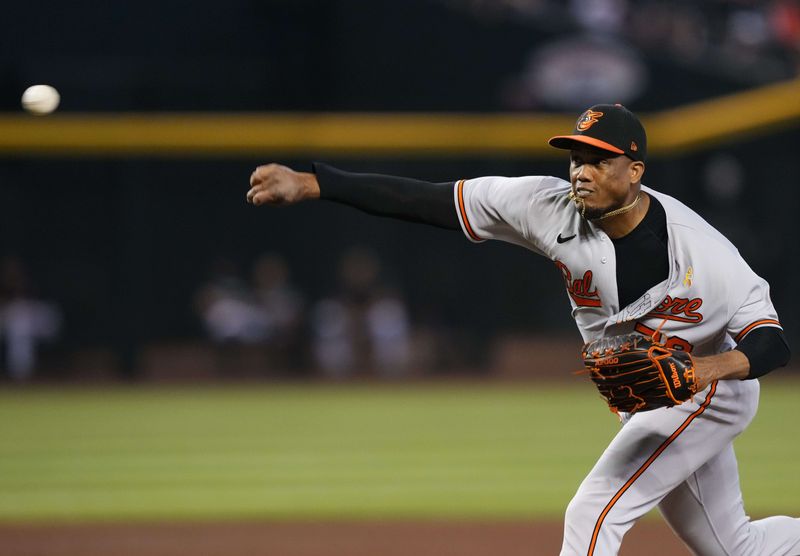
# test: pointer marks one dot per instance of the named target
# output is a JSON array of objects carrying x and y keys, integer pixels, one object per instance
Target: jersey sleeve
[
  {"x": 752, "y": 307},
  {"x": 515, "y": 210}
]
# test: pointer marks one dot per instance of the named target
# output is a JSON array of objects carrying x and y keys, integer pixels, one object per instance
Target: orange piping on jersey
[
  {"x": 462, "y": 209},
  {"x": 740, "y": 336},
  {"x": 647, "y": 464}
]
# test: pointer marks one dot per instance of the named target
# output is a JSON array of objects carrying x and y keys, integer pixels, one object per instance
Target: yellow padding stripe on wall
[
  {"x": 769, "y": 108},
  {"x": 383, "y": 134}
]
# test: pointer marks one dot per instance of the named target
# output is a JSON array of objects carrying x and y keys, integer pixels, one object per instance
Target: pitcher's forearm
[
  {"x": 723, "y": 366},
  {"x": 761, "y": 351},
  {"x": 396, "y": 197}
]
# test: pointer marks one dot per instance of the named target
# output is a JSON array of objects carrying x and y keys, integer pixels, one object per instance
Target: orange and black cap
[{"x": 610, "y": 127}]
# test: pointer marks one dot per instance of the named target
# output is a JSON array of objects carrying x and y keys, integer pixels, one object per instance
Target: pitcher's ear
[{"x": 636, "y": 169}]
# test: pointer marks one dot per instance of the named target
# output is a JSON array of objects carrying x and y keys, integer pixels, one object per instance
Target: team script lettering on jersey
[
  {"x": 580, "y": 289},
  {"x": 680, "y": 309}
]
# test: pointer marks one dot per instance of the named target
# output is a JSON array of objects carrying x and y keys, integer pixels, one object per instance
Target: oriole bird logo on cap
[{"x": 588, "y": 119}]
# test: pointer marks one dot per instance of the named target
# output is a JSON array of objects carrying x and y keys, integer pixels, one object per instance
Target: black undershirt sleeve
[
  {"x": 766, "y": 348},
  {"x": 392, "y": 196}
]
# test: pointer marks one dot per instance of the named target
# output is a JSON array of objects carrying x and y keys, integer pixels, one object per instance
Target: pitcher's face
[{"x": 603, "y": 181}]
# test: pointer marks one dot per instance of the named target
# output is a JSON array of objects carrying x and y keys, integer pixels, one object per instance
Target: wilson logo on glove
[{"x": 676, "y": 380}]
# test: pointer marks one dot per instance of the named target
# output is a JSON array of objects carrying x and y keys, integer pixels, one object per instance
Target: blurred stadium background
[{"x": 129, "y": 258}]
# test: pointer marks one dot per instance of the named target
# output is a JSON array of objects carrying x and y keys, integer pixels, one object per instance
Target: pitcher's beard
[
  {"x": 596, "y": 213},
  {"x": 590, "y": 213}
]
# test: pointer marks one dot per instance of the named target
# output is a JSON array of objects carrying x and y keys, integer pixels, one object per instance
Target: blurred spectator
[
  {"x": 280, "y": 307},
  {"x": 605, "y": 16},
  {"x": 25, "y": 321},
  {"x": 578, "y": 72},
  {"x": 228, "y": 309},
  {"x": 784, "y": 18},
  {"x": 390, "y": 334},
  {"x": 264, "y": 316},
  {"x": 734, "y": 211},
  {"x": 364, "y": 326},
  {"x": 753, "y": 42},
  {"x": 724, "y": 180}
]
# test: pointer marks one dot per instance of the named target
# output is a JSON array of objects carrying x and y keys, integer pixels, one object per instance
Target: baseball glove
[{"x": 635, "y": 373}]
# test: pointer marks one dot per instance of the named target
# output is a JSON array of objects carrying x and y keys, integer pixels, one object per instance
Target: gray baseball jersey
[{"x": 680, "y": 459}]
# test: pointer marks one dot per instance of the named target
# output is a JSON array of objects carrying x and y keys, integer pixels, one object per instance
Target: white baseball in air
[{"x": 40, "y": 99}]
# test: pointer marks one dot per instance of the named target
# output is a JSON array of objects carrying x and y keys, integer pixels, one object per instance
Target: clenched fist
[{"x": 274, "y": 184}]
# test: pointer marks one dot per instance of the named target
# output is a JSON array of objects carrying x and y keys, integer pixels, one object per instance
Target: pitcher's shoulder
[{"x": 681, "y": 219}]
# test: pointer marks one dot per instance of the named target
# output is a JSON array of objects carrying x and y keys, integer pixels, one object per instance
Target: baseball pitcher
[{"x": 677, "y": 327}]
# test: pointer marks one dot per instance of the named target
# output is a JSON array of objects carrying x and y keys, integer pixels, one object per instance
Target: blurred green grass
[{"x": 480, "y": 450}]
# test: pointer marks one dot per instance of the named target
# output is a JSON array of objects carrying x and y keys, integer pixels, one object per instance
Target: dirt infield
[{"x": 314, "y": 539}]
